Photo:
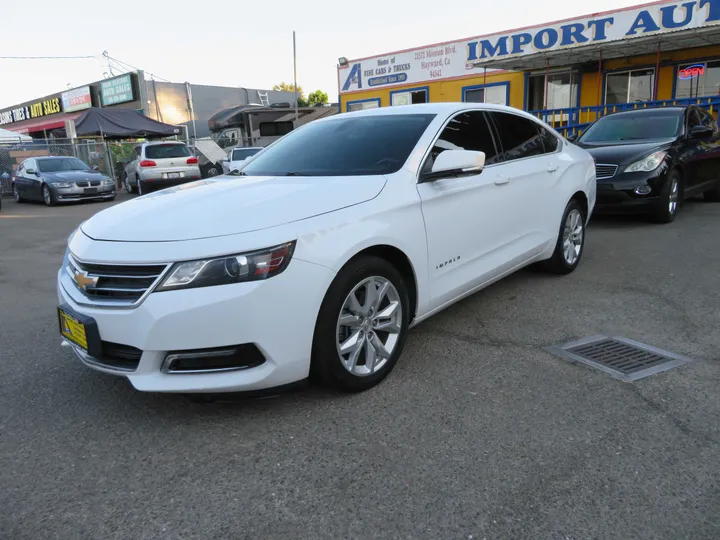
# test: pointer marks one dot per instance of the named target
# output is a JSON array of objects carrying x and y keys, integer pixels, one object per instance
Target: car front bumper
[
  {"x": 276, "y": 316},
  {"x": 618, "y": 194},
  {"x": 83, "y": 194}
]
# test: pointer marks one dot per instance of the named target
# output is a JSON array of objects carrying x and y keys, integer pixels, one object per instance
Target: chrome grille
[
  {"x": 93, "y": 183},
  {"x": 113, "y": 284},
  {"x": 605, "y": 171}
]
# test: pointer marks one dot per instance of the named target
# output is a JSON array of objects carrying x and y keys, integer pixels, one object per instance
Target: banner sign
[
  {"x": 117, "y": 90},
  {"x": 76, "y": 100},
  {"x": 462, "y": 58},
  {"x": 28, "y": 112}
]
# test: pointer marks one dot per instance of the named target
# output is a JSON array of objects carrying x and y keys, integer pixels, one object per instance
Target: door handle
[
  {"x": 552, "y": 168},
  {"x": 501, "y": 180}
]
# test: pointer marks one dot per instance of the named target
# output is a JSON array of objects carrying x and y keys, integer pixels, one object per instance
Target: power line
[{"x": 47, "y": 57}]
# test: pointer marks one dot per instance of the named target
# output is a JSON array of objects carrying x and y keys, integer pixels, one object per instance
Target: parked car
[
  {"x": 237, "y": 158},
  {"x": 156, "y": 165},
  {"x": 60, "y": 179},
  {"x": 335, "y": 241},
  {"x": 650, "y": 160}
]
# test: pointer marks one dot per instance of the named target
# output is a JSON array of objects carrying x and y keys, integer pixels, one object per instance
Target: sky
[{"x": 240, "y": 43}]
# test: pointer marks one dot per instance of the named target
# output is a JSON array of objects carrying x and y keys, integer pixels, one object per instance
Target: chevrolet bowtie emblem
[{"x": 83, "y": 281}]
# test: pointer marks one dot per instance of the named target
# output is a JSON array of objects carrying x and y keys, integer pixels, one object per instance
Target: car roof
[
  {"x": 53, "y": 157},
  {"x": 247, "y": 148},
  {"x": 649, "y": 110},
  {"x": 445, "y": 108},
  {"x": 155, "y": 143}
]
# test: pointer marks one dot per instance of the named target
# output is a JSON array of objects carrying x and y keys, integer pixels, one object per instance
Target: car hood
[
  {"x": 223, "y": 206},
  {"x": 72, "y": 176},
  {"x": 624, "y": 151}
]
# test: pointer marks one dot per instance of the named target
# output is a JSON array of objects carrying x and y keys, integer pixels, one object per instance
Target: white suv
[
  {"x": 156, "y": 165},
  {"x": 335, "y": 241}
]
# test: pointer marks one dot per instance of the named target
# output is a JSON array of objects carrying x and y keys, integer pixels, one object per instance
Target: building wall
[
  {"x": 168, "y": 102},
  {"x": 591, "y": 86}
]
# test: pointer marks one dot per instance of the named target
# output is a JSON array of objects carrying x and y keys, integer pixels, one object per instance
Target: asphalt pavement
[{"x": 478, "y": 433}]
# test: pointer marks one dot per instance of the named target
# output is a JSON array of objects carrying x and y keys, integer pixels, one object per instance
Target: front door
[{"x": 465, "y": 217}]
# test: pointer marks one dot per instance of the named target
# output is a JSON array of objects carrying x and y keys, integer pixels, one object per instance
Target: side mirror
[
  {"x": 95, "y": 168},
  {"x": 30, "y": 171},
  {"x": 456, "y": 163},
  {"x": 701, "y": 132},
  {"x": 572, "y": 137}
]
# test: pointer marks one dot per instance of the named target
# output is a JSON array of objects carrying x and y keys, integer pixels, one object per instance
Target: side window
[
  {"x": 519, "y": 136},
  {"x": 466, "y": 131},
  {"x": 708, "y": 120},
  {"x": 549, "y": 141},
  {"x": 693, "y": 119}
]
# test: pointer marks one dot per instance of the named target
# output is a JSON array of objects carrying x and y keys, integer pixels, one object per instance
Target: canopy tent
[
  {"x": 121, "y": 123},
  {"x": 11, "y": 136}
]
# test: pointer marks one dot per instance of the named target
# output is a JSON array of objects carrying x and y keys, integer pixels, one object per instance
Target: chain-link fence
[{"x": 95, "y": 153}]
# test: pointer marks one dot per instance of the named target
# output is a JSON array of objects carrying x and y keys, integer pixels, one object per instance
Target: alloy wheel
[
  {"x": 46, "y": 195},
  {"x": 673, "y": 198},
  {"x": 368, "y": 328},
  {"x": 16, "y": 194},
  {"x": 573, "y": 234}
]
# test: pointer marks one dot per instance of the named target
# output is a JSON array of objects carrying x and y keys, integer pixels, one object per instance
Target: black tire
[
  {"x": 16, "y": 195},
  {"x": 664, "y": 212},
  {"x": 128, "y": 185},
  {"x": 143, "y": 187},
  {"x": 713, "y": 195},
  {"x": 326, "y": 366},
  {"x": 48, "y": 196},
  {"x": 558, "y": 263}
]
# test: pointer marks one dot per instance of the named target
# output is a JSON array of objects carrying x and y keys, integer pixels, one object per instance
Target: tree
[{"x": 318, "y": 97}]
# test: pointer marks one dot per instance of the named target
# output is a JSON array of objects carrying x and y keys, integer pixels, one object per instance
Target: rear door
[
  {"x": 171, "y": 160},
  {"x": 533, "y": 166},
  {"x": 709, "y": 151}
]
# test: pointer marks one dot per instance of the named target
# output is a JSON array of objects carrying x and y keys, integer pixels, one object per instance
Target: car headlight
[
  {"x": 62, "y": 184},
  {"x": 252, "y": 266},
  {"x": 107, "y": 182},
  {"x": 647, "y": 164}
]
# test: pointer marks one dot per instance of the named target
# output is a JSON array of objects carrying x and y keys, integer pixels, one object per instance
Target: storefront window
[
  {"x": 629, "y": 86},
  {"x": 360, "y": 106},
  {"x": 497, "y": 95},
  {"x": 561, "y": 91},
  {"x": 409, "y": 98},
  {"x": 700, "y": 79}
]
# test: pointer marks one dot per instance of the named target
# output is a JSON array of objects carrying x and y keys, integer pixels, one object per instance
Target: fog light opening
[
  {"x": 231, "y": 358},
  {"x": 643, "y": 190}
]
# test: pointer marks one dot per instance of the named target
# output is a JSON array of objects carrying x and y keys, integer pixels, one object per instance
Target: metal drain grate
[{"x": 622, "y": 358}]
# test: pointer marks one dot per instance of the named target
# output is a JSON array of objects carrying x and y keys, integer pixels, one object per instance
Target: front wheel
[
  {"x": 667, "y": 208},
  {"x": 16, "y": 195},
  {"x": 48, "y": 196},
  {"x": 571, "y": 240},
  {"x": 362, "y": 326}
]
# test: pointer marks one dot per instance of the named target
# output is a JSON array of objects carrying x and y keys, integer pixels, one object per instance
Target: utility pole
[
  {"x": 107, "y": 55},
  {"x": 295, "y": 78}
]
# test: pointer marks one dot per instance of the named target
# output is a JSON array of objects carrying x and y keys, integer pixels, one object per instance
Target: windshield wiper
[
  {"x": 236, "y": 173},
  {"x": 294, "y": 173}
]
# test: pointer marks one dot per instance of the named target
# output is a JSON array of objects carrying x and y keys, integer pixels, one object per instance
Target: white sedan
[
  {"x": 338, "y": 238},
  {"x": 238, "y": 157}
]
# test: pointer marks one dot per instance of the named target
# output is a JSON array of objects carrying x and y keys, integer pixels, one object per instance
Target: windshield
[
  {"x": 634, "y": 127},
  {"x": 61, "y": 164},
  {"x": 352, "y": 146},
  {"x": 243, "y": 153},
  {"x": 162, "y": 151}
]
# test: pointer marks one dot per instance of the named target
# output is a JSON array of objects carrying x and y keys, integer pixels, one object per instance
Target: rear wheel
[
  {"x": 571, "y": 241},
  {"x": 128, "y": 186},
  {"x": 667, "y": 208},
  {"x": 713, "y": 195},
  {"x": 362, "y": 326},
  {"x": 143, "y": 187}
]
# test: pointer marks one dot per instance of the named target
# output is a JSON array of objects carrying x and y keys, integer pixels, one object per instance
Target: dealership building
[
  {"x": 186, "y": 104},
  {"x": 567, "y": 73}
]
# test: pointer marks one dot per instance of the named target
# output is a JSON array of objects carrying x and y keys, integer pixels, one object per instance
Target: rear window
[
  {"x": 352, "y": 146},
  {"x": 243, "y": 153},
  {"x": 162, "y": 151}
]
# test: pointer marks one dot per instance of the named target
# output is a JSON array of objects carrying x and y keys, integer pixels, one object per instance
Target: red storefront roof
[{"x": 54, "y": 122}]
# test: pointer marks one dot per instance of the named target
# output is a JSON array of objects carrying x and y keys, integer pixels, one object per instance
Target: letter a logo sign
[{"x": 354, "y": 79}]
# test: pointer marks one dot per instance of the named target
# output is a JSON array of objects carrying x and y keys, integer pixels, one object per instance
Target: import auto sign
[
  {"x": 117, "y": 90},
  {"x": 462, "y": 58}
]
